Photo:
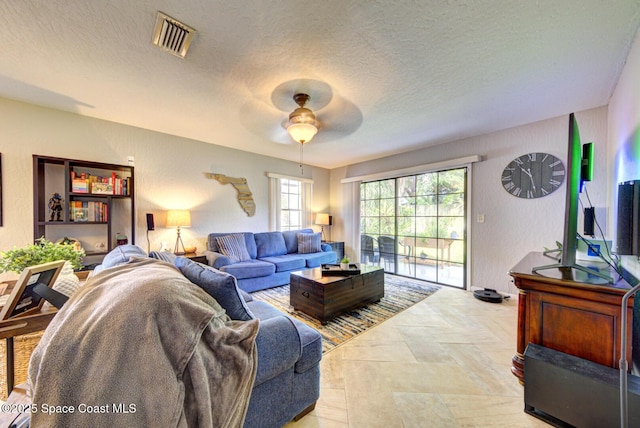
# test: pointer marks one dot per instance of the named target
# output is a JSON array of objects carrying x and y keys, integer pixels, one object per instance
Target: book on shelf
[
  {"x": 79, "y": 185},
  {"x": 91, "y": 211},
  {"x": 99, "y": 185},
  {"x": 101, "y": 188}
]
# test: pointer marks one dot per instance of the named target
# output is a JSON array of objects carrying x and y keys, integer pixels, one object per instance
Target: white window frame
[{"x": 275, "y": 194}]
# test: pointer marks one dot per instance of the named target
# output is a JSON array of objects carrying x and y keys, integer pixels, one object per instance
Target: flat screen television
[{"x": 579, "y": 170}]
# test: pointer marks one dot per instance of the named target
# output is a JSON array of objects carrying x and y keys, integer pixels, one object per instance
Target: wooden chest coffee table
[{"x": 325, "y": 297}]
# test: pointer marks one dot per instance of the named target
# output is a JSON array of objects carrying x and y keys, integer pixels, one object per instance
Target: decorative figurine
[{"x": 55, "y": 207}]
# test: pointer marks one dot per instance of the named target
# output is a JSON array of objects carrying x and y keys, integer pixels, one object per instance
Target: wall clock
[{"x": 533, "y": 175}]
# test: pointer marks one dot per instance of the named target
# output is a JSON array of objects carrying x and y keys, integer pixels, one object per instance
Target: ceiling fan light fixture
[
  {"x": 302, "y": 132},
  {"x": 302, "y": 122}
]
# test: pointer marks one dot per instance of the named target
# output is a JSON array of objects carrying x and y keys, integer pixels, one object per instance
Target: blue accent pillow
[
  {"x": 221, "y": 286},
  {"x": 291, "y": 239},
  {"x": 309, "y": 243},
  {"x": 163, "y": 255},
  {"x": 234, "y": 247}
]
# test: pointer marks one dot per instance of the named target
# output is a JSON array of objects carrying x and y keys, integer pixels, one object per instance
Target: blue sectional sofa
[
  {"x": 272, "y": 256},
  {"x": 287, "y": 383}
]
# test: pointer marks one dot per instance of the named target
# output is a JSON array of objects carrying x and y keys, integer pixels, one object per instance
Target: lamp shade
[
  {"x": 178, "y": 218},
  {"x": 323, "y": 219}
]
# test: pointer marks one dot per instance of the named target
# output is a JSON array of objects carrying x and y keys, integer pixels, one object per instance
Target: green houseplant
[
  {"x": 344, "y": 263},
  {"x": 42, "y": 251}
]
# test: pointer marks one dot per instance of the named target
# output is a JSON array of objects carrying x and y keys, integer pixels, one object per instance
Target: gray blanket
[{"x": 140, "y": 346}]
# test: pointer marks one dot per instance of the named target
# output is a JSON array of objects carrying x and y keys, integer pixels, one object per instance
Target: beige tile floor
[{"x": 445, "y": 362}]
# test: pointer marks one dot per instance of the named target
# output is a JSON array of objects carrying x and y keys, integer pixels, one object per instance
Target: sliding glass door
[{"x": 416, "y": 225}]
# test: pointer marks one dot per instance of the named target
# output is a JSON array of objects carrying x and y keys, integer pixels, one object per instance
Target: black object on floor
[
  {"x": 488, "y": 295},
  {"x": 567, "y": 391}
]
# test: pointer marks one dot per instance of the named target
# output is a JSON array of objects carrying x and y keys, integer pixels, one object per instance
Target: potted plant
[
  {"x": 42, "y": 251},
  {"x": 344, "y": 263}
]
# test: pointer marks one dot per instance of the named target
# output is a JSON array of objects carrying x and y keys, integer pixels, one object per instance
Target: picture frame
[{"x": 22, "y": 300}]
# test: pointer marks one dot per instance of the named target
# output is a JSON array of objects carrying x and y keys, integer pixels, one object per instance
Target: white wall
[
  {"x": 513, "y": 227},
  {"x": 168, "y": 174},
  {"x": 624, "y": 129}
]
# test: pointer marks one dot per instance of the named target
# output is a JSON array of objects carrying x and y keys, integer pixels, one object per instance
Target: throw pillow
[
  {"x": 309, "y": 243},
  {"x": 119, "y": 255},
  {"x": 234, "y": 247},
  {"x": 221, "y": 286},
  {"x": 165, "y": 256}
]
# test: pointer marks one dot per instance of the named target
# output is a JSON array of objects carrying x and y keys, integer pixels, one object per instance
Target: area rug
[{"x": 399, "y": 294}]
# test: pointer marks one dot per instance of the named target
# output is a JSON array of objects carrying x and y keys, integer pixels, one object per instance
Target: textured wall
[{"x": 168, "y": 173}]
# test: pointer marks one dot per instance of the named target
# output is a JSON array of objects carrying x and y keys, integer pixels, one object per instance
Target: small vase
[{"x": 344, "y": 266}]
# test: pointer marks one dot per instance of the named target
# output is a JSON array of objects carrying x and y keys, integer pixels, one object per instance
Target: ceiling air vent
[{"x": 172, "y": 36}]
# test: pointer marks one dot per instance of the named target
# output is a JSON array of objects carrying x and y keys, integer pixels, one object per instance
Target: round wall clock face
[{"x": 533, "y": 175}]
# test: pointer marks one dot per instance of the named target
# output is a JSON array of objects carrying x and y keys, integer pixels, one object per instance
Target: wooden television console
[{"x": 580, "y": 316}]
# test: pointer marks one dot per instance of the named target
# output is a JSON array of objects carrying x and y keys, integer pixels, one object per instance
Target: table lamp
[
  {"x": 178, "y": 219},
  {"x": 323, "y": 219}
]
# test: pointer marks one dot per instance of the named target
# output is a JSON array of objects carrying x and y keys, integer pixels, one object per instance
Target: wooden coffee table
[{"x": 325, "y": 297}]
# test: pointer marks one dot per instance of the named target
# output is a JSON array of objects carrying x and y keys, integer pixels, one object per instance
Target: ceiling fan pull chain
[{"x": 301, "y": 167}]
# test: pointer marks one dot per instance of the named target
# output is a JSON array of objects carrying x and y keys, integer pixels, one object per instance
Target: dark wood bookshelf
[{"x": 56, "y": 172}]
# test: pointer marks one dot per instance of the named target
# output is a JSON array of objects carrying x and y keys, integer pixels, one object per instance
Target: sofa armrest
[
  {"x": 326, "y": 247},
  {"x": 279, "y": 347},
  {"x": 216, "y": 260}
]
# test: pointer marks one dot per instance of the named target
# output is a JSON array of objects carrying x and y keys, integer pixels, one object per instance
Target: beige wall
[
  {"x": 168, "y": 172},
  {"x": 624, "y": 128}
]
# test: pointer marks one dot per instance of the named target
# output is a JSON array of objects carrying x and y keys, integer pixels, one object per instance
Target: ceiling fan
[{"x": 270, "y": 115}]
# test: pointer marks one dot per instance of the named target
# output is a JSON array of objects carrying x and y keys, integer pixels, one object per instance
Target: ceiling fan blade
[
  {"x": 320, "y": 94},
  {"x": 263, "y": 120},
  {"x": 338, "y": 119}
]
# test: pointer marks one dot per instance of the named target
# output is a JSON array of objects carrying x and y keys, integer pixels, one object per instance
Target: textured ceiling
[{"x": 385, "y": 76}]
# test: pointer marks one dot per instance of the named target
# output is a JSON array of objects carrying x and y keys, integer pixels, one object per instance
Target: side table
[
  {"x": 197, "y": 257},
  {"x": 19, "y": 326},
  {"x": 338, "y": 247}
]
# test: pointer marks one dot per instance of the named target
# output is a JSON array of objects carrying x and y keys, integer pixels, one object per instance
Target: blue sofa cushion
[
  {"x": 310, "y": 339},
  {"x": 316, "y": 259},
  {"x": 309, "y": 243},
  {"x": 163, "y": 255},
  {"x": 286, "y": 262},
  {"x": 291, "y": 239},
  {"x": 221, "y": 286},
  {"x": 119, "y": 255},
  {"x": 234, "y": 247},
  {"x": 250, "y": 269},
  {"x": 278, "y": 345},
  {"x": 249, "y": 240},
  {"x": 270, "y": 244}
]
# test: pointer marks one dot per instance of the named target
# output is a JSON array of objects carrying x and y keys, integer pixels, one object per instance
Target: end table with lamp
[
  {"x": 322, "y": 220},
  {"x": 178, "y": 219}
]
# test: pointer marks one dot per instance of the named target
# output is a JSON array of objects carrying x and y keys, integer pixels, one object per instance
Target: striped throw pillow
[
  {"x": 234, "y": 247},
  {"x": 309, "y": 243}
]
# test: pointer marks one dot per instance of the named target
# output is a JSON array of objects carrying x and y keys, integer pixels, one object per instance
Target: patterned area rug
[{"x": 399, "y": 294}]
